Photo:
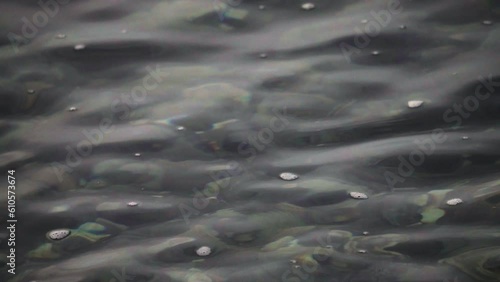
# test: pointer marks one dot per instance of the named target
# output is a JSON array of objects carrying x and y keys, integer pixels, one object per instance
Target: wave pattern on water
[{"x": 349, "y": 141}]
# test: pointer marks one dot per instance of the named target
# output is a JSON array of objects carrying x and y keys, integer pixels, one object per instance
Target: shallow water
[{"x": 144, "y": 132}]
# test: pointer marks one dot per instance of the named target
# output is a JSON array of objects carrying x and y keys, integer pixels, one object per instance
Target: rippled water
[{"x": 200, "y": 140}]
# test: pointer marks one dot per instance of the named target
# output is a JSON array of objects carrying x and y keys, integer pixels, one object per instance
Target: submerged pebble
[
  {"x": 376, "y": 53},
  {"x": 415, "y": 104},
  {"x": 454, "y": 202},
  {"x": 203, "y": 251},
  {"x": 263, "y": 55},
  {"x": 58, "y": 234},
  {"x": 366, "y": 233},
  {"x": 465, "y": 137},
  {"x": 262, "y": 7},
  {"x": 358, "y": 195},
  {"x": 487, "y": 22},
  {"x": 292, "y": 261},
  {"x": 308, "y": 6},
  {"x": 61, "y": 36},
  {"x": 364, "y": 21},
  {"x": 132, "y": 204},
  {"x": 288, "y": 176},
  {"x": 79, "y": 47},
  {"x": 72, "y": 109},
  {"x": 180, "y": 128},
  {"x": 362, "y": 251},
  {"x": 137, "y": 154},
  {"x": 402, "y": 26},
  {"x": 31, "y": 91}
]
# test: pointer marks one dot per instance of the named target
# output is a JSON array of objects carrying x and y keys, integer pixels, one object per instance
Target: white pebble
[
  {"x": 364, "y": 21},
  {"x": 487, "y": 22},
  {"x": 79, "y": 47},
  {"x": 262, "y": 7},
  {"x": 358, "y": 195},
  {"x": 137, "y": 154},
  {"x": 362, "y": 251},
  {"x": 415, "y": 104},
  {"x": 58, "y": 234},
  {"x": 203, "y": 251},
  {"x": 61, "y": 36},
  {"x": 132, "y": 204},
  {"x": 288, "y": 176},
  {"x": 454, "y": 202},
  {"x": 308, "y": 6},
  {"x": 72, "y": 109},
  {"x": 465, "y": 137},
  {"x": 180, "y": 128}
]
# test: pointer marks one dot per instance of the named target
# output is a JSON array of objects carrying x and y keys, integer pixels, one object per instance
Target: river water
[{"x": 241, "y": 140}]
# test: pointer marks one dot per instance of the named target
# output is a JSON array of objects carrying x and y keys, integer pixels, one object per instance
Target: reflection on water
[{"x": 278, "y": 140}]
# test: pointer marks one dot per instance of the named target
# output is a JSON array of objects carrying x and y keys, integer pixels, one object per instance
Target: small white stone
[
  {"x": 79, "y": 47},
  {"x": 137, "y": 154},
  {"x": 288, "y": 176},
  {"x": 358, "y": 195},
  {"x": 262, "y": 7},
  {"x": 402, "y": 27},
  {"x": 454, "y": 202},
  {"x": 263, "y": 55},
  {"x": 203, "y": 251},
  {"x": 72, "y": 109},
  {"x": 132, "y": 204},
  {"x": 364, "y": 21},
  {"x": 296, "y": 266},
  {"x": 362, "y": 251},
  {"x": 415, "y": 104},
  {"x": 465, "y": 137},
  {"x": 487, "y": 22},
  {"x": 124, "y": 30},
  {"x": 180, "y": 128},
  {"x": 375, "y": 53},
  {"x": 292, "y": 261},
  {"x": 31, "y": 91},
  {"x": 308, "y": 6},
  {"x": 366, "y": 233},
  {"x": 61, "y": 36},
  {"x": 58, "y": 234}
]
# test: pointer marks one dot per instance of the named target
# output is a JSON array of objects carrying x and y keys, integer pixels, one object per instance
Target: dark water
[{"x": 153, "y": 134}]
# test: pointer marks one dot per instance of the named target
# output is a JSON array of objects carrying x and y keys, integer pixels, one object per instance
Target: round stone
[
  {"x": 72, "y": 109},
  {"x": 375, "y": 53},
  {"x": 358, "y": 195},
  {"x": 58, "y": 234},
  {"x": 415, "y": 104},
  {"x": 203, "y": 251},
  {"x": 454, "y": 202},
  {"x": 137, "y": 154},
  {"x": 308, "y": 6},
  {"x": 288, "y": 176},
  {"x": 79, "y": 47},
  {"x": 132, "y": 204}
]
